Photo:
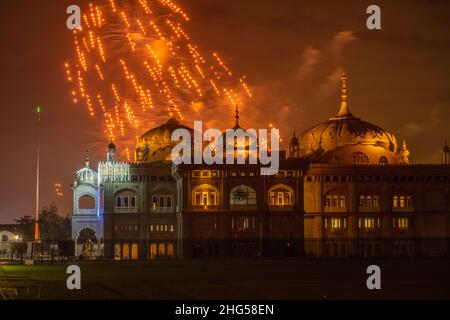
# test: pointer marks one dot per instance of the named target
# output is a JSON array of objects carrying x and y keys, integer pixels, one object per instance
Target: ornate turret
[
  {"x": 111, "y": 153},
  {"x": 445, "y": 153},
  {"x": 404, "y": 154},
  {"x": 294, "y": 147}
]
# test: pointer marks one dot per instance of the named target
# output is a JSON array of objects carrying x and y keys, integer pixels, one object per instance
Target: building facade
[{"x": 345, "y": 188}]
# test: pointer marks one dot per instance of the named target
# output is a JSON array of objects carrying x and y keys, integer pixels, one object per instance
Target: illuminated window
[
  {"x": 335, "y": 200},
  {"x": 126, "y": 252},
  {"x": 369, "y": 201},
  {"x": 170, "y": 250},
  {"x": 205, "y": 195},
  {"x": 117, "y": 252},
  {"x": 369, "y": 223},
  {"x": 402, "y": 201},
  {"x": 401, "y": 223},
  {"x": 335, "y": 223},
  {"x": 243, "y": 224},
  {"x": 162, "y": 249},
  {"x": 281, "y": 195},
  {"x": 134, "y": 251},
  {"x": 171, "y": 228},
  {"x": 153, "y": 251}
]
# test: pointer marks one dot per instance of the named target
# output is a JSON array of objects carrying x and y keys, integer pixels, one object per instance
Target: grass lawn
[{"x": 245, "y": 279}]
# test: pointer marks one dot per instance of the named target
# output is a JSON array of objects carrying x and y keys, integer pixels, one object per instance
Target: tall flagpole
[{"x": 36, "y": 225}]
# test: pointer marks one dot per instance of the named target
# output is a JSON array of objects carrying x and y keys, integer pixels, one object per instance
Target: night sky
[{"x": 291, "y": 51}]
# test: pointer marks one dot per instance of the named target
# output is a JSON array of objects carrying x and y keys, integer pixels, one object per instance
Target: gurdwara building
[{"x": 344, "y": 188}]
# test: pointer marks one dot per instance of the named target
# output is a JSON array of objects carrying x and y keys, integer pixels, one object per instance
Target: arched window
[
  {"x": 162, "y": 201},
  {"x": 369, "y": 200},
  {"x": 126, "y": 252},
  {"x": 86, "y": 202},
  {"x": 134, "y": 251},
  {"x": 162, "y": 250},
  {"x": 335, "y": 199},
  {"x": 243, "y": 198},
  {"x": 5, "y": 238},
  {"x": 126, "y": 201},
  {"x": 205, "y": 195},
  {"x": 281, "y": 195},
  {"x": 153, "y": 251},
  {"x": 117, "y": 252},
  {"x": 360, "y": 158},
  {"x": 383, "y": 160},
  {"x": 170, "y": 250},
  {"x": 402, "y": 201}
]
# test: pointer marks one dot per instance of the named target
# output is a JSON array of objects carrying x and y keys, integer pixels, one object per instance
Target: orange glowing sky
[{"x": 291, "y": 51}]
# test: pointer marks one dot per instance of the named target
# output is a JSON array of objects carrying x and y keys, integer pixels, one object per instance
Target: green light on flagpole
[{"x": 38, "y": 109}]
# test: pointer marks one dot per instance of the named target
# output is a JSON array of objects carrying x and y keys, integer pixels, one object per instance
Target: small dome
[
  {"x": 86, "y": 175},
  {"x": 156, "y": 144},
  {"x": 347, "y": 139}
]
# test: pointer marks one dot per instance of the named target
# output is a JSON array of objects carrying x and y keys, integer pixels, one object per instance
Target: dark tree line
[{"x": 52, "y": 226}]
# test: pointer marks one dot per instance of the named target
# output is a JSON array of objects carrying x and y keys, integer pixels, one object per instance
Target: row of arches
[
  {"x": 357, "y": 158},
  {"x": 337, "y": 198},
  {"x": 242, "y": 196}
]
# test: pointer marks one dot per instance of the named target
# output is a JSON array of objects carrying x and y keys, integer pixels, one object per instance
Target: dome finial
[
  {"x": 237, "y": 116},
  {"x": 171, "y": 111},
  {"x": 344, "y": 111},
  {"x": 404, "y": 154},
  {"x": 87, "y": 159}
]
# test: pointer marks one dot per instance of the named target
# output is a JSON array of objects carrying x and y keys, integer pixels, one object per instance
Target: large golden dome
[
  {"x": 347, "y": 139},
  {"x": 156, "y": 144}
]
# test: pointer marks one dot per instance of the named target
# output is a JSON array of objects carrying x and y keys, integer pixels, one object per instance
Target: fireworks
[
  {"x": 58, "y": 191},
  {"x": 135, "y": 58}
]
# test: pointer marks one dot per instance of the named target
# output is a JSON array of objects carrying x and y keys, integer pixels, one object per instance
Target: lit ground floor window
[
  {"x": 161, "y": 250},
  {"x": 126, "y": 251}
]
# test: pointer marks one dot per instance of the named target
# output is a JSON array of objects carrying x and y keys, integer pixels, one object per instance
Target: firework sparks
[{"x": 134, "y": 58}]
